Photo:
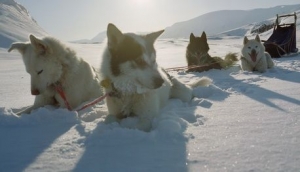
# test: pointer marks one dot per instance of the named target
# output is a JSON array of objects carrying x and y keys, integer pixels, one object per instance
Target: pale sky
[{"x": 83, "y": 19}]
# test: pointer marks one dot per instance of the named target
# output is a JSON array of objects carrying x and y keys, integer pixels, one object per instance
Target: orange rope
[{"x": 187, "y": 67}]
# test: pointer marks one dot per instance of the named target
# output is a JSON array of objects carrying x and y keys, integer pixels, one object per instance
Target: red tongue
[{"x": 253, "y": 56}]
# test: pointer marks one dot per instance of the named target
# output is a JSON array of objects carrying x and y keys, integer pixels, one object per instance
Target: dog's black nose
[{"x": 158, "y": 82}]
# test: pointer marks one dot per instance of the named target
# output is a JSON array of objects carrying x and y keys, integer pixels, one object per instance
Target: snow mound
[{"x": 16, "y": 24}]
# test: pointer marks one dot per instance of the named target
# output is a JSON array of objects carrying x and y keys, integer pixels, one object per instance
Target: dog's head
[
  {"x": 40, "y": 62},
  {"x": 198, "y": 46},
  {"x": 131, "y": 61},
  {"x": 253, "y": 49}
]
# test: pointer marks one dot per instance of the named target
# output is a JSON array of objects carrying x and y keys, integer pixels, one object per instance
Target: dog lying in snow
[
  {"x": 254, "y": 57},
  {"x": 197, "y": 55},
  {"x": 136, "y": 85},
  {"x": 53, "y": 67}
]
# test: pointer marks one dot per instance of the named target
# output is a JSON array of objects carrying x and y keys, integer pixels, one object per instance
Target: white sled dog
[
  {"x": 135, "y": 84},
  {"x": 55, "y": 69},
  {"x": 254, "y": 57}
]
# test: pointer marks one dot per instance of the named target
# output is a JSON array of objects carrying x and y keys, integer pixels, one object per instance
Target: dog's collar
[{"x": 107, "y": 84}]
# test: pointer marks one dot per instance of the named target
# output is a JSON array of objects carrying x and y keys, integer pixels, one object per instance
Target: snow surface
[{"x": 244, "y": 121}]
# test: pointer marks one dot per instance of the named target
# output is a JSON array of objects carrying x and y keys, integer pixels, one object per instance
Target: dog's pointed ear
[
  {"x": 257, "y": 38},
  {"x": 151, "y": 37},
  {"x": 192, "y": 37},
  {"x": 203, "y": 36},
  {"x": 245, "y": 40},
  {"x": 114, "y": 35},
  {"x": 39, "y": 45},
  {"x": 19, "y": 46}
]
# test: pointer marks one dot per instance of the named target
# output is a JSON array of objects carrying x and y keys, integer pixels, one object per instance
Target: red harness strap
[
  {"x": 99, "y": 99},
  {"x": 189, "y": 67},
  {"x": 62, "y": 94}
]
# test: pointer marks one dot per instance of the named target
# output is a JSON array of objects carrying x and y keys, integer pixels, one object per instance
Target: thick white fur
[
  {"x": 263, "y": 61},
  {"x": 48, "y": 62},
  {"x": 139, "y": 98}
]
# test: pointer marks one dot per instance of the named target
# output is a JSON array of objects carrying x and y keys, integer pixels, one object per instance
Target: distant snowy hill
[
  {"x": 97, "y": 39},
  {"x": 220, "y": 21},
  {"x": 224, "y": 22},
  {"x": 250, "y": 29},
  {"x": 16, "y": 23}
]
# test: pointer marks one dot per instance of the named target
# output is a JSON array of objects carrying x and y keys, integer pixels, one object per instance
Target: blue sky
[{"x": 83, "y": 19}]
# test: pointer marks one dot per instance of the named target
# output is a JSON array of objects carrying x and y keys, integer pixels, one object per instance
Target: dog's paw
[{"x": 110, "y": 119}]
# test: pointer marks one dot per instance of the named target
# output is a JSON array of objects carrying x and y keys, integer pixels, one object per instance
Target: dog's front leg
[
  {"x": 26, "y": 110},
  {"x": 246, "y": 66},
  {"x": 262, "y": 65},
  {"x": 40, "y": 101},
  {"x": 269, "y": 60},
  {"x": 146, "y": 110}
]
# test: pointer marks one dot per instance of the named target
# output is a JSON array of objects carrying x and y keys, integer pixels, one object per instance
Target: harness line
[
  {"x": 99, "y": 99},
  {"x": 105, "y": 83},
  {"x": 62, "y": 94},
  {"x": 187, "y": 67}
]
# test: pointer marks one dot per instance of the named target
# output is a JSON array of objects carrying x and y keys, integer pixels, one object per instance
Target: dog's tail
[
  {"x": 204, "y": 81},
  {"x": 229, "y": 60},
  {"x": 185, "y": 91}
]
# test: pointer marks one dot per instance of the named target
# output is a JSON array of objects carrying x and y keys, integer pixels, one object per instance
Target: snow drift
[
  {"x": 244, "y": 121},
  {"x": 16, "y": 24}
]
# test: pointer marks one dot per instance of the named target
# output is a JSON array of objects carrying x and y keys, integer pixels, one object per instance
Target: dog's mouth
[{"x": 253, "y": 55}]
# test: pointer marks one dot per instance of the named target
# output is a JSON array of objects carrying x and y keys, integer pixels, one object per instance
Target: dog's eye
[
  {"x": 39, "y": 72},
  {"x": 256, "y": 46},
  {"x": 249, "y": 47}
]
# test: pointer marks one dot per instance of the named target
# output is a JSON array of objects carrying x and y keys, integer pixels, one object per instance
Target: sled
[{"x": 282, "y": 42}]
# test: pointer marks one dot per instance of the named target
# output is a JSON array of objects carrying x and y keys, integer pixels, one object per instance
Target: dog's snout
[
  {"x": 35, "y": 92},
  {"x": 253, "y": 51},
  {"x": 158, "y": 82}
]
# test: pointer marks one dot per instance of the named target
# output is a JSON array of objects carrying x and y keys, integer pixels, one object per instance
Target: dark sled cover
[{"x": 283, "y": 39}]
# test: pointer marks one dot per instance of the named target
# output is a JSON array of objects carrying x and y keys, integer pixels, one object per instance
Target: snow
[
  {"x": 16, "y": 23},
  {"x": 244, "y": 121}
]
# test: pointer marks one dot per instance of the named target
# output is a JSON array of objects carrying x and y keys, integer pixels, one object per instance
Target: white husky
[
  {"x": 55, "y": 72},
  {"x": 254, "y": 57},
  {"x": 133, "y": 80}
]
